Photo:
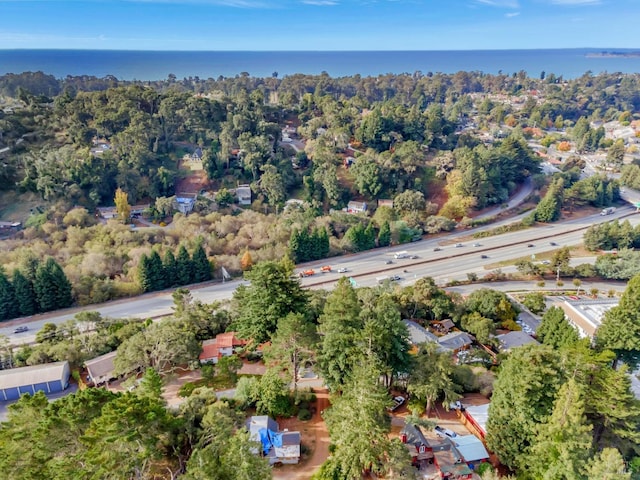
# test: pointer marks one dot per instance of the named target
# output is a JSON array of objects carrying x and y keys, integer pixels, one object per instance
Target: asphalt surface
[{"x": 447, "y": 264}]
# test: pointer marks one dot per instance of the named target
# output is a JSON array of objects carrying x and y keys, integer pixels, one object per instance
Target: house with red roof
[{"x": 223, "y": 345}]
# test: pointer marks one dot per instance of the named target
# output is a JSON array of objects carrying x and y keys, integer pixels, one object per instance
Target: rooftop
[
  {"x": 587, "y": 315},
  {"x": 515, "y": 339},
  {"x": 49, "y": 372}
]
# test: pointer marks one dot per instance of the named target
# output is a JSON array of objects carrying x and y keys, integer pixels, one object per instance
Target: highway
[{"x": 449, "y": 263}]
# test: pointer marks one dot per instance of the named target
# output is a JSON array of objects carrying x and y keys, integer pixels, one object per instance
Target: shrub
[{"x": 304, "y": 415}]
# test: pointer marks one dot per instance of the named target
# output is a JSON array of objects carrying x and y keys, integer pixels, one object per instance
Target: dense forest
[{"x": 439, "y": 146}]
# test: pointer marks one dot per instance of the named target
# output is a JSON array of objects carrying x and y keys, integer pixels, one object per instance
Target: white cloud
[
  {"x": 511, "y": 14},
  {"x": 500, "y": 3}
]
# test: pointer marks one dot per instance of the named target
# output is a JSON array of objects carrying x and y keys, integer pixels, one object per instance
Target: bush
[
  {"x": 187, "y": 389},
  {"x": 304, "y": 415}
]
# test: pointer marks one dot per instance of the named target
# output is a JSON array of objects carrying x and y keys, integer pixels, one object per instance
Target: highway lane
[{"x": 447, "y": 264}]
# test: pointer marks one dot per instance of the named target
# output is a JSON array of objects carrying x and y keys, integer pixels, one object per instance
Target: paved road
[
  {"x": 449, "y": 263},
  {"x": 520, "y": 196}
]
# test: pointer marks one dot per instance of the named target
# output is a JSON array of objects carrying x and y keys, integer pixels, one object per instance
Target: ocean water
[{"x": 157, "y": 65}]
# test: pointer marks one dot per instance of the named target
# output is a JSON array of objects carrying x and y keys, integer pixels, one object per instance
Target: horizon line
[{"x": 601, "y": 49}]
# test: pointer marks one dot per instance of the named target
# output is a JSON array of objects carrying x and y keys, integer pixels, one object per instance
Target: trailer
[
  {"x": 403, "y": 254},
  {"x": 608, "y": 211}
]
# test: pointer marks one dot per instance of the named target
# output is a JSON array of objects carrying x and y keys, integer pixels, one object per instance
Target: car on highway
[
  {"x": 21, "y": 329},
  {"x": 445, "y": 432},
  {"x": 342, "y": 270},
  {"x": 414, "y": 257},
  {"x": 477, "y": 245},
  {"x": 553, "y": 244},
  {"x": 395, "y": 278},
  {"x": 546, "y": 262},
  {"x": 388, "y": 262},
  {"x": 458, "y": 245},
  {"x": 483, "y": 256},
  {"x": 530, "y": 245},
  {"x": 437, "y": 249}
]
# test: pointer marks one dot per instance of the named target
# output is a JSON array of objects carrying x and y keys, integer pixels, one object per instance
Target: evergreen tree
[
  {"x": 201, "y": 265},
  {"x": 340, "y": 326},
  {"x": 369, "y": 240},
  {"x": 325, "y": 245},
  {"x": 25, "y": 296},
  {"x": 145, "y": 277},
  {"x": 156, "y": 270},
  {"x": 384, "y": 236},
  {"x": 294, "y": 245},
  {"x": 620, "y": 330},
  {"x": 524, "y": 395},
  {"x": 563, "y": 443},
  {"x": 184, "y": 267},
  {"x": 555, "y": 330},
  {"x": 271, "y": 295},
  {"x": 608, "y": 464},
  {"x": 8, "y": 306},
  {"x": 51, "y": 286},
  {"x": 169, "y": 267}
]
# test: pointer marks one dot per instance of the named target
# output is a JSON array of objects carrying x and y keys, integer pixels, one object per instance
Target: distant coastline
[
  {"x": 613, "y": 54},
  {"x": 158, "y": 65}
]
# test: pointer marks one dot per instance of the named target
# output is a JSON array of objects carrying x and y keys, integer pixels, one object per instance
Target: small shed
[
  {"x": 471, "y": 449},
  {"x": 101, "y": 368},
  {"x": 48, "y": 378}
]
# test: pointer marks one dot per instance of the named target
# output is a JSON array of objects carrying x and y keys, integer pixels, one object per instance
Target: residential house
[
  {"x": 10, "y": 226},
  {"x": 185, "y": 202},
  {"x": 515, "y": 339},
  {"x": 278, "y": 446},
  {"x": 223, "y": 345},
  {"x": 100, "y": 369},
  {"x": 456, "y": 341},
  {"x": 448, "y": 460},
  {"x": 417, "y": 444},
  {"x": 243, "y": 193},
  {"x": 356, "y": 207},
  {"x": 385, "y": 202},
  {"x": 418, "y": 334}
]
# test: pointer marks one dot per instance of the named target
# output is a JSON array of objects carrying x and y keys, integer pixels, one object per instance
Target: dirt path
[{"x": 316, "y": 437}]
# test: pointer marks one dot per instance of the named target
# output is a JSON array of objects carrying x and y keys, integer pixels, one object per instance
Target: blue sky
[{"x": 318, "y": 24}]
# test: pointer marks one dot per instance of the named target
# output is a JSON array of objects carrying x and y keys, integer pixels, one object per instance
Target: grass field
[{"x": 16, "y": 207}]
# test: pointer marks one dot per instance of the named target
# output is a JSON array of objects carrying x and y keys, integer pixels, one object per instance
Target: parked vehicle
[
  {"x": 445, "y": 432},
  {"x": 397, "y": 403}
]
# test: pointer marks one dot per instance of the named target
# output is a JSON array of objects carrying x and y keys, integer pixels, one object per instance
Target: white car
[
  {"x": 342, "y": 270},
  {"x": 477, "y": 245}
]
